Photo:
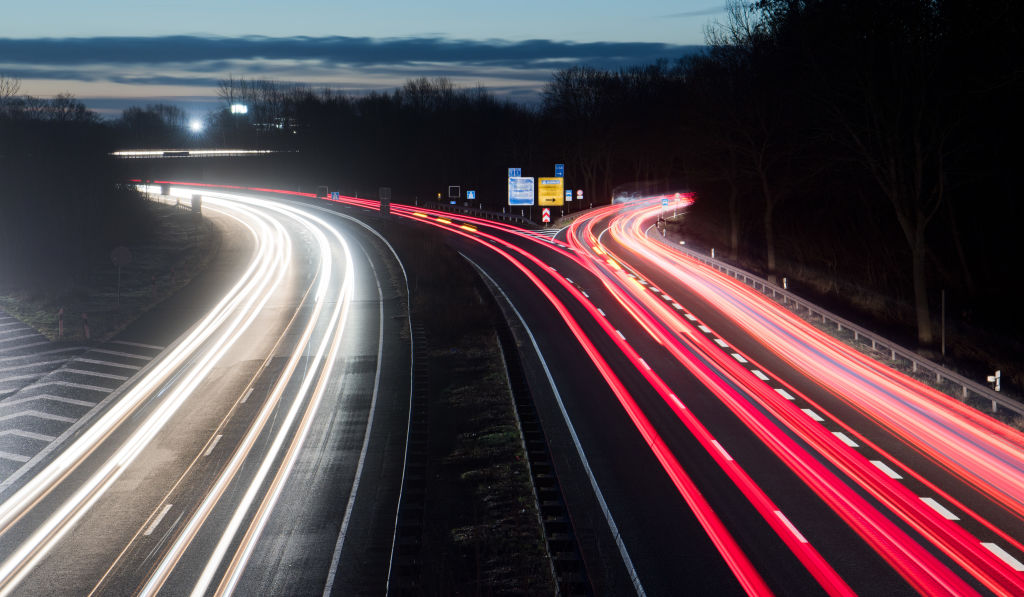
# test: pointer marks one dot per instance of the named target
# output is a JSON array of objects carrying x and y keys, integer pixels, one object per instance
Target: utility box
[{"x": 197, "y": 204}]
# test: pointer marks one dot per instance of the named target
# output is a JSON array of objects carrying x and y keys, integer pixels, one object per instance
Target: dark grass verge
[
  {"x": 480, "y": 532},
  {"x": 179, "y": 247}
]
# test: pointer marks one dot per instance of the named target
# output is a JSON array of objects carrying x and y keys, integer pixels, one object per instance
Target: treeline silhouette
[
  {"x": 61, "y": 205},
  {"x": 869, "y": 148}
]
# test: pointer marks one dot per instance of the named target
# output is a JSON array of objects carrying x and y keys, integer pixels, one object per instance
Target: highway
[
  {"x": 233, "y": 461},
  {"x": 706, "y": 439},
  {"x": 728, "y": 446}
]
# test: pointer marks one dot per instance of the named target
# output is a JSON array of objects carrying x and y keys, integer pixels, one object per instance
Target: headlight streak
[
  {"x": 885, "y": 380},
  {"x": 231, "y": 316},
  {"x": 266, "y": 414}
]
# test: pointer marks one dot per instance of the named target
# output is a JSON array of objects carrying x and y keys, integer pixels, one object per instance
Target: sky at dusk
[{"x": 115, "y": 53}]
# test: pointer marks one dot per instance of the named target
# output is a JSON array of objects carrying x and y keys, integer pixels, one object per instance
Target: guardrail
[
  {"x": 898, "y": 355},
  {"x": 480, "y": 213}
]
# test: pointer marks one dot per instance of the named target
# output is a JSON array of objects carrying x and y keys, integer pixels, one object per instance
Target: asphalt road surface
[{"x": 260, "y": 452}]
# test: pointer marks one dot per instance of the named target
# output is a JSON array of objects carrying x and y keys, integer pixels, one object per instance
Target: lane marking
[
  {"x": 156, "y": 521},
  {"x": 677, "y": 306},
  {"x": 620, "y": 334},
  {"x": 739, "y": 357},
  {"x": 789, "y": 525},
  {"x": 601, "y": 312},
  {"x": 584, "y": 292},
  {"x": 689, "y": 316},
  {"x": 612, "y": 526},
  {"x": 14, "y": 457},
  {"x": 247, "y": 394},
  {"x": 96, "y": 374},
  {"x": 846, "y": 439},
  {"x": 109, "y": 364},
  {"x": 759, "y": 374},
  {"x": 785, "y": 394},
  {"x": 940, "y": 508},
  {"x": 213, "y": 444},
  {"x": 721, "y": 343},
  {"x": 704, "y": 328},
  {"x": 644, "y": 363},
  {"x": 885, "y": 468},
  {"x": 810, "y": 413},
  {"x": 28, "y": 434},
  {"x": 68, "y": 384},
  {"x": 139, "y": 344},
  {"x": 122, "y": 354},
  {"x": 721, "y": 449},
  {"x": 1005, "y": 556},
  {"x": 39, "y": 415}
]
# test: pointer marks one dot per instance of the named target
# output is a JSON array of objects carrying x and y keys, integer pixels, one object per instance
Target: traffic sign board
[
  {"x": 560, "y": 170},
  {"x": 545, "y": 215},
  {"x": 520, "y": 190},
  {"x": 568, "y": 194},
  {"x": 470, "y": 194},
  {"x": 515, "y": 172}
]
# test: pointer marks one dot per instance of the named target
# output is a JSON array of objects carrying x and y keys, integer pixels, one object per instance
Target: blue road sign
[
  {"x": 664, "y": 201},
  {"x": 515, "y": 172},
  {"x": 470, "y": 194},
  {"x": 560, "y": 170}
]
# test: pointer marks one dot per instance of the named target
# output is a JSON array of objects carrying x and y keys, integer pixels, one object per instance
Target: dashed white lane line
[
  {"x": 584, "y": 292},
  {"x": 885, "y": 468},
  {"x": 789, "y": 525},
  {"x": 677, "y": 306},
  {"x": 759, "y": 374},
  {"x": 721, "y": 449},
  {"x": 689, "y": 316},
  {"x": 109, "y": 364},
  {"x": 601, "y": 312},
  {"x": 846, "y": 439},
  {"x": 940, "y": 508},
  {"x": 139, "y": 344},
  {"x": 96, "y": 374},
  {"x": 810, "y": 413},
  {"x": 739, "y": 357},
  {"x": 721, "y": 343},
  {"x": 247, "y": 394},
  {"x": 620, "y": 334},
  {"x": 213, "y": 445},
  {"x": 704, "y": 328},
  {"x": 644, "y": 363},
  {"x": 1003, "y": 555},
  {"x": 156, "y": 521},
  {"x": 785, "y": 394}
]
